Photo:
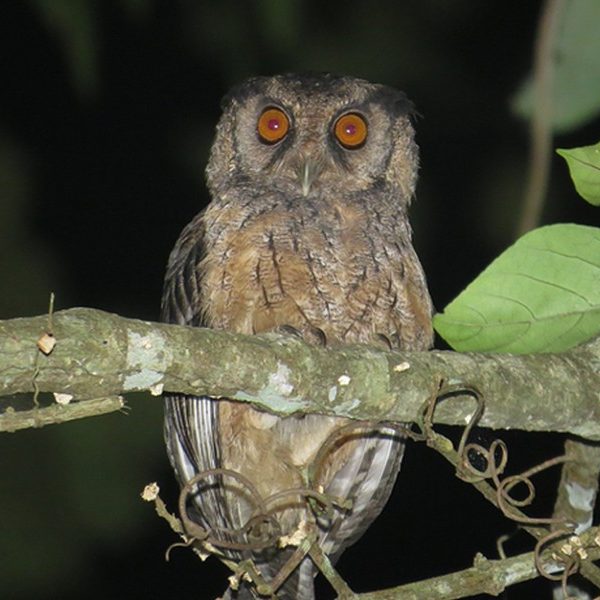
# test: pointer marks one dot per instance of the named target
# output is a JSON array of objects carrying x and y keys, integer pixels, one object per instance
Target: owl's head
[{"x": 306, "y": 134}]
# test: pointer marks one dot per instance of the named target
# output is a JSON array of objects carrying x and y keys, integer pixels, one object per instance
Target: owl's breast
[{"x": 328, "y": 273}]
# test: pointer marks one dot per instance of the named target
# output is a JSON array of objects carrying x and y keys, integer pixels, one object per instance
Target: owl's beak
[{"x": 308, "y": 173}]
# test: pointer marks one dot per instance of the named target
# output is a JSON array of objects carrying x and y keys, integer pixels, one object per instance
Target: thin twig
[{"x": 13, "y": 420}]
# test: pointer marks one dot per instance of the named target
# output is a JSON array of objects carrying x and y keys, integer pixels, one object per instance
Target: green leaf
[
  {"x": 541, "y": 295},
  {"x": 576, "y": 84},
  {"x": 584, "y": 166},
  {"x": 75, "y": 23}
]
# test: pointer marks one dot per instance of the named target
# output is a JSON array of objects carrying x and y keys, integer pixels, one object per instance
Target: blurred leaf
[
  {"x": 74, "y": 21},
  {"x": 280, "y": 21},
  {"x": 137, "y": 9},
  {"x": 584, "y": 166},
  {"x": 541, "y": 295},
  {"x": 576, "y": 97}
]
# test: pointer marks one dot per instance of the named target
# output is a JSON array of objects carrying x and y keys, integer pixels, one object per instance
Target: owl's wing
[{"x": 191, "y": 423}]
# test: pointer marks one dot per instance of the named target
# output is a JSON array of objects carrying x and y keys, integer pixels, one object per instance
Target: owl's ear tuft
[
  {"x": 242, "y": 91},
  {"x": 393, "y": 101}
]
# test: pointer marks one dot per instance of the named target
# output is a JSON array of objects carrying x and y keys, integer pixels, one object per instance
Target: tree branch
[
  {"x": 99, "y": 354},
  {"x": 490, "y": 577},
  {"x": 12, "y": 420}
]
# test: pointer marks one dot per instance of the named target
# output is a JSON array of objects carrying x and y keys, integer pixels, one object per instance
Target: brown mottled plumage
[{"x": 311, "y": 233}]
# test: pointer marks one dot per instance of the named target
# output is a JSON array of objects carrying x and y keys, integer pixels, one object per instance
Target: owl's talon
[
  {"x": 381, "y": 339},
  {"x": 311, "y": 335},
  {"x": 290, "y": 330},
  {"x": 317, "y": 336}
]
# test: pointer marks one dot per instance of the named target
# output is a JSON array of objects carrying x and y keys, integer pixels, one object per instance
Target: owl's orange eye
[
  {"x": 272, "y": 125},
  {"x": 351, "y": 130}
]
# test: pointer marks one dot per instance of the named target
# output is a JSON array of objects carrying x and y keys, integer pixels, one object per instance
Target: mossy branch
[{"x": 102, "y": 355}]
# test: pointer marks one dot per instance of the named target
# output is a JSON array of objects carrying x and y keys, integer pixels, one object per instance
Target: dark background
[{"x": 107, "y": 111}]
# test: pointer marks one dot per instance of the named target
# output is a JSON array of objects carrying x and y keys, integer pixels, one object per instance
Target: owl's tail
[{"x": 298, "y": 586}]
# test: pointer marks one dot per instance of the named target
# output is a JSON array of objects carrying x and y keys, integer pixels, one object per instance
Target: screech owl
[{"x": 310, "y": 178}]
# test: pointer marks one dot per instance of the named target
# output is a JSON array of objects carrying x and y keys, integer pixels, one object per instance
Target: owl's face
[{"x": 305, "y": 135}]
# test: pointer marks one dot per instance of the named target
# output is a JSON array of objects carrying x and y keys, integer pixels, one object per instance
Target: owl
[{"x": 311, "y": 178}]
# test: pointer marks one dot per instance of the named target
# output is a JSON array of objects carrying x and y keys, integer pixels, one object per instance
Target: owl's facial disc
[
  {"x": 310, "y": 143},
  {"x": 315, "y": 137}
]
